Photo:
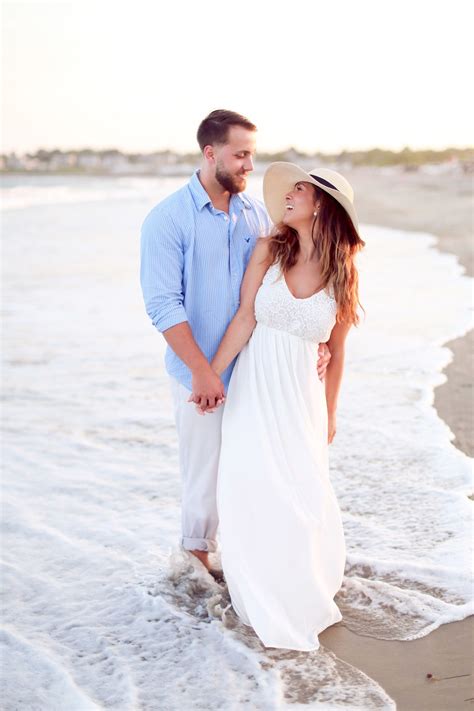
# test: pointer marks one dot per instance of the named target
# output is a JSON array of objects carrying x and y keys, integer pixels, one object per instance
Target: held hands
[
  {"x": 324, "y": 356},
  {"x": 208, "y": 391},
  {"x": 209, "y": 410}
]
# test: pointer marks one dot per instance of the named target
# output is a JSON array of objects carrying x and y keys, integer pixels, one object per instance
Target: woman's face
[{"x": 300, "y": 205}]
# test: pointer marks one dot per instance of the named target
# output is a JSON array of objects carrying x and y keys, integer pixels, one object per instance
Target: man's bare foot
[{"x": 203, "y": 556}]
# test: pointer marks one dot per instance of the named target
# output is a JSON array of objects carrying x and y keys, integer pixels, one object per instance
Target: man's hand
[
  {"x": 324, "y": 356},
  {"x": 208, "y": 389}
]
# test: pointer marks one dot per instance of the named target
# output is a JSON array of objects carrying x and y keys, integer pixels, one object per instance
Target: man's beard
[{"x": 230, "y": 182}]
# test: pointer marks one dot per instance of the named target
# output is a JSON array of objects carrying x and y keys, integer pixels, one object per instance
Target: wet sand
[
  {"x": 443, "y": 206},
  {"x": 401, "y": 668}
]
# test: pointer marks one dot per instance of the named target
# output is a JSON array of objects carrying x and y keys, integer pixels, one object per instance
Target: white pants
[{"x": 199, "y": 439}]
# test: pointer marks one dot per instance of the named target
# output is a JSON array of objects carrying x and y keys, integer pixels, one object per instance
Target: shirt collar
[
  {"x": 244, "y": 200},
  {"x": 201, "y": 198}
]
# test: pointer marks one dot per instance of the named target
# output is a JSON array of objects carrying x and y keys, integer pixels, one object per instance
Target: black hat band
[{"x": 324, "y": 182}]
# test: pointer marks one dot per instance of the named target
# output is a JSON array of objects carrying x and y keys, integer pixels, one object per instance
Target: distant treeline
[
  {"x": 381, "y": 157},
  {"x": 112, "y": 160}
]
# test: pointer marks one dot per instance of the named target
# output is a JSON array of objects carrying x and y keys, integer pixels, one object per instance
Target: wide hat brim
[{"x": 281, "y": 177}]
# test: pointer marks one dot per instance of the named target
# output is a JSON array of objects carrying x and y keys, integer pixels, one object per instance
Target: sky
[{"x": 318, "y": 76}]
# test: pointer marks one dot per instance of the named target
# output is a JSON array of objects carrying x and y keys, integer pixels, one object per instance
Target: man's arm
[
  {"x": 161, "y": 275},
  {"x": 207, "y": 386}
]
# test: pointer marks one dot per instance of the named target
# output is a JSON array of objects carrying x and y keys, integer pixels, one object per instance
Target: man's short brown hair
[{"x": 214, "y": 129}]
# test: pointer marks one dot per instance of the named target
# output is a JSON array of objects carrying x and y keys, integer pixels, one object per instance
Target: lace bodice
[{"x": 275, "y": 306}]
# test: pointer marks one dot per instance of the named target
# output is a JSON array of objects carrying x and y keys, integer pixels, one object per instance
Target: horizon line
[{"x": 405, "y": 149}]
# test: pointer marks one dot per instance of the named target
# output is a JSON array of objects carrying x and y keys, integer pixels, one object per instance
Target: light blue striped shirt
[{"x": 193, "y": 259}]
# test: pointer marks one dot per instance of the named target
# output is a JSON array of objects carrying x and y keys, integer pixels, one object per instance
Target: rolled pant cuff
[{"x": 199, "y": 544}]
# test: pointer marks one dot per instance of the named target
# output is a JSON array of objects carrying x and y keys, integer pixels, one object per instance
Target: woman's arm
[
  {"x": 334, "y": 371},
  {"x": 241, "y": 327}
]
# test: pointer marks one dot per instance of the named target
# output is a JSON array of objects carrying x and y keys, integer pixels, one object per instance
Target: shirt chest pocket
[{"x": 247, "y": 244}]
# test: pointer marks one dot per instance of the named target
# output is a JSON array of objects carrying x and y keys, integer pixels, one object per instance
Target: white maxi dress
[{"x": 281, "y": 535}]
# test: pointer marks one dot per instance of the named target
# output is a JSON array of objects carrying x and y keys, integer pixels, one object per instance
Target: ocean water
[{"x": 101, "y": 609}]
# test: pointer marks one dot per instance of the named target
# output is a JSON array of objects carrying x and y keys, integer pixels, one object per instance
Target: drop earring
[{"x": 315, "y": 213}]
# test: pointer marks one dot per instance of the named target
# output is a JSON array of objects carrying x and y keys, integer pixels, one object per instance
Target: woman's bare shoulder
[{"x": 261, "y": 251}]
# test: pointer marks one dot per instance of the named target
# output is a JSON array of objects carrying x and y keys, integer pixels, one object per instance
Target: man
[{"x": 195, "y": 247}]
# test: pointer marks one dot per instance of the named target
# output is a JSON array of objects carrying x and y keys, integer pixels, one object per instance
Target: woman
[{"x": 282, "y": 541}]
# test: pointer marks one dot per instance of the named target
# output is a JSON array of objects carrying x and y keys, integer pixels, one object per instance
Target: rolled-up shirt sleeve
[{"x": 161, "y": 271}]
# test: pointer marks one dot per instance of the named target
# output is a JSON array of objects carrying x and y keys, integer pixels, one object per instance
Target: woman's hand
[
  {"x": 219, "y": 402},
  {"x": 331, "y": 427}
]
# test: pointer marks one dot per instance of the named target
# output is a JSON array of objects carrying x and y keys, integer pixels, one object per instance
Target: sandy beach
[{"x": 440, "y": 205}]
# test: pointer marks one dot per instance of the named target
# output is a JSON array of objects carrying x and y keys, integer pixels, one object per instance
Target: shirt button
[{"x": 225, "y": 218}]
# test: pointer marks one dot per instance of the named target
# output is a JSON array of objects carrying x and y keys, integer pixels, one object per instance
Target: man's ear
[{"x": 208, "y": 153}]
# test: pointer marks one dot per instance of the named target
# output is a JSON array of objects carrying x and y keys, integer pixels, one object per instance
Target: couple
[{"x": 219, "y": 280}]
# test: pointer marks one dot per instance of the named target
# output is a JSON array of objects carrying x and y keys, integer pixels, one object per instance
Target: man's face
[{"x": 234, "y": 159}]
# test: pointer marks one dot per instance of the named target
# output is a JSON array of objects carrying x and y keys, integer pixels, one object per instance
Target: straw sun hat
[{"x": 281, "y": 177}]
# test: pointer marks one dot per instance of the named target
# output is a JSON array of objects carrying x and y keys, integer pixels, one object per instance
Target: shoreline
[
  {"x": 438, "y": 205},
  {"x": 443, "y": 208}
]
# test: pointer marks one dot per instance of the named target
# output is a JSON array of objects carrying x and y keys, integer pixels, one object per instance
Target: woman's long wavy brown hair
[{"x": 337, "y": 242}]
